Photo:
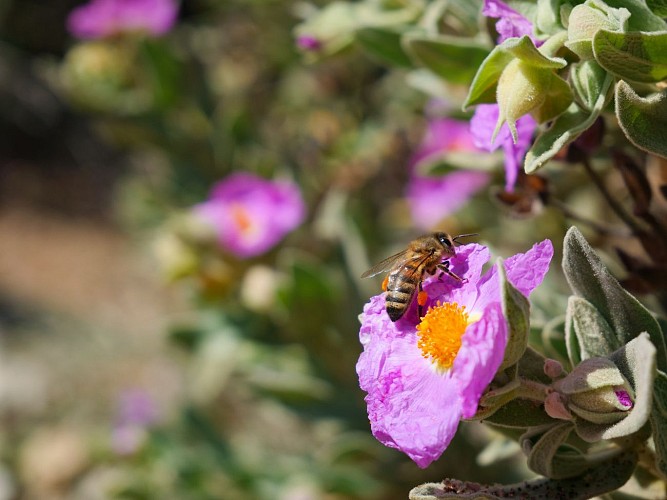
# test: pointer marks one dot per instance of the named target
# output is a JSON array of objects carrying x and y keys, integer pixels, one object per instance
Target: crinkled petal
[
  {"x": 482, "y": 126},
  {"x": 467, "y": 264},
  {"x": 480, "y": 356},
  {"x": 524, "y": 270},
  {"x": 510, "y": 23},
  {"x": 411, "y": 407},
  {"x": 443, "y": 135}
]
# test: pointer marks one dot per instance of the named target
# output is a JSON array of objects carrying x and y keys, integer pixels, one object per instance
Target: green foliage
[
  {"x": 592, "y": 281},
  {"x": 642, "y": 118},
  {"x": 516, "y": 309}
]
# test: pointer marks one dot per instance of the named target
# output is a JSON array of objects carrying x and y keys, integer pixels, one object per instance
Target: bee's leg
[{"x": 444, "y": 268}]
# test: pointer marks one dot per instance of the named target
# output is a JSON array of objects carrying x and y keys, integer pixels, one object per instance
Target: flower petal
[
  {"x": 467, "y": 264},
  {"x": 510, "y": 23},
  {"x": 411, "y": 407},
  {"x": 524, "y": 270},
  {"x": 481, "y": 354}
]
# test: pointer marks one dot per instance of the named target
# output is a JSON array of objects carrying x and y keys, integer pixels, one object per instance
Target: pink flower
[
  {"x": 424, "y": 375},
  {"x": 251, "y": 215},
  {"x": 308, "y": 43},
  {"x": 136, "y": 413},
  {"x": 431, "y": 198},
  {"x": 107, "y": 18},
  {"x": 510, "y": 23},
  {"x": 482, "y": 126}
]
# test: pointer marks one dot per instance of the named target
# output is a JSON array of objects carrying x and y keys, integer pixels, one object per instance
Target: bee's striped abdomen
[{"x": 400, "y": 289}]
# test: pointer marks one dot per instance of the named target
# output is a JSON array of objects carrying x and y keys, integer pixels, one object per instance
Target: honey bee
[{"x": 424, "y": 255}]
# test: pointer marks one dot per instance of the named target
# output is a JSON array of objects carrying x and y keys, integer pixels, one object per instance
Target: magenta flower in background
[
  {"x": 250, "y": 214},
  {"x": 482, "y": 126},
  {"x": 136, "y": 413},
  {"x": 510, "y": 23},
  {"x": 424, "y": 375},
  {"x": 433, "y": 197},
  {"x": 308, "y": 43},
  {"x": 107, "y": 18}
]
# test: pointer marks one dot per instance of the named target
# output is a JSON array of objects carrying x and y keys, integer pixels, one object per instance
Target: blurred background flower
[
  {"x": 108, "y": 18},
  {"x": 250, "y": 215}
]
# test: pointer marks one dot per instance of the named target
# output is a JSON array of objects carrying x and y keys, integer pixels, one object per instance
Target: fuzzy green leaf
[
  {"x": 658, "y": 7},
  {"x": 643, "y": 119},
  {"x": 659, "y": 422},
  {"x": 452, "y": 59},
  {"x": 384, "y": 44},
  {"x": 589, "y": 82},
  {"x": 547, "y": 458},
  {"x": 519, "y": 414},
  {"x": 641, "y": 17},
  {"x": 634, "y": 56},
  {"x": 516, "y": 310},
  {"x": 586, "y": 329},
  {"x": 565, "y": 129},
  {"x": 590, "y": 279}
]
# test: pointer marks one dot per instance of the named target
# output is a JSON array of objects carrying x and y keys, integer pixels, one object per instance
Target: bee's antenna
[{"x": 455, "y": 238}]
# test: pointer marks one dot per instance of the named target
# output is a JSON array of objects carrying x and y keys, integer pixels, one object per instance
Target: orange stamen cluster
[
  {"x": 241, "y": 217},
  {"x": 440, "y": 332}
]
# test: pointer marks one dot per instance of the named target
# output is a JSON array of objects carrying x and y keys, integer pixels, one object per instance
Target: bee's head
[{"x": 446, "y": 242}]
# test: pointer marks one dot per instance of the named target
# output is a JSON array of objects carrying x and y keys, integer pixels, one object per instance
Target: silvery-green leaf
[
  {"x": 587, "y": 333},
  {"x": 641, "y": 17},
  {"x": 519, "y": 414},
  {"x": 384, "y": 44},
  {"x": 637, "y": 363},
  {"x": 531, "y": 366},
  {"x": 548, "y": 16},
  {"x": 590, "y": 279},
  {"x": 547, "y": 456},
  {"x": 564, "y": 129},
  {"x": 643, "y": 119},
  {"x": 516, "y": 310},
  {"x": 634, "y": 56},
  {"x": 658, "y": 7},
  {"x": 589, "y": 81},
  {"x": 659, "y": 422},
  {"x": 660, "y": 393},
  {"x": 451, "y": 58}
]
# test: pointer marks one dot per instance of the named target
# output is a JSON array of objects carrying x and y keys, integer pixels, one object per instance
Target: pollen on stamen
[
  {"x": 440, "y": 332},
  {"x": 422, "y": 298},
  {"x": 241, "y": 217}
]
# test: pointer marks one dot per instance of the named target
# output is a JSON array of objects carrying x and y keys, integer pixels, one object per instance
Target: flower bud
[
  {"x": 106, "y": 77},
  {"x": 522, "y": 88},
  {"x": 597, "y": 391},
  {"x": 587, "y": 19}
]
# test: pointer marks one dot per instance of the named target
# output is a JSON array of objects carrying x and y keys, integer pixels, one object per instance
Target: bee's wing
[{"x": 386, "y": 264}]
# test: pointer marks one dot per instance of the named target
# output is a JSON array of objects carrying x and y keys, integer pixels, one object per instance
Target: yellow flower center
[{"x": 440, "y": 333}]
